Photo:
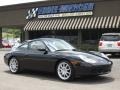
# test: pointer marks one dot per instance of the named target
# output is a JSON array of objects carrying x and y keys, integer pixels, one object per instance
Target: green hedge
[{"x": 88, "y": 47}]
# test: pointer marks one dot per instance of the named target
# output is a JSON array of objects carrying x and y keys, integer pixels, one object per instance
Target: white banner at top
[{"x": 66, "y": 14}]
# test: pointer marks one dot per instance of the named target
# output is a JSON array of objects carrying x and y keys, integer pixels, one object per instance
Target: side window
[
  {"x": 24, "y": 46},
  {"x": 37, "y": 45}
]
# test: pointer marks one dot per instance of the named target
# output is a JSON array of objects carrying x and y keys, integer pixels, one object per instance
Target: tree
[{"x": 13, "y": 33}]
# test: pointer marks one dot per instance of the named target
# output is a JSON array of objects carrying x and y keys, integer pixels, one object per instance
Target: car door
[{"x": 39, "y": 57}]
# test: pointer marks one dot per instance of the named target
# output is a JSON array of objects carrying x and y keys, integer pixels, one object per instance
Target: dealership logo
[
  {"x": 32, "y": 13},
  {"x": 66, "y": 10}
]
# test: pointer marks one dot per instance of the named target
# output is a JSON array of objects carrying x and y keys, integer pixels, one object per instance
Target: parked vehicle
[
  {"x": 5, "y": 44},
  {"x": 58, "y": 56},
  {"x": 110, "y": 43},
  {"x": 17, "y": 44}
]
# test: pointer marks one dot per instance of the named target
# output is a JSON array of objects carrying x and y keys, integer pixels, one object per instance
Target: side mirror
[{"x": 43, "y": 50}]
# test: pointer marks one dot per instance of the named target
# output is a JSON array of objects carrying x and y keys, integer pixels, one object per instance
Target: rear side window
[
  {"x": 24, "y": 46},
  {"x": 110, "y": 38},
  {"x": 36, "y": 45}
]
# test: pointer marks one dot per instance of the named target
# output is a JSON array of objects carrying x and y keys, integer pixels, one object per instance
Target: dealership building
[{"x": 76, "y": 21}]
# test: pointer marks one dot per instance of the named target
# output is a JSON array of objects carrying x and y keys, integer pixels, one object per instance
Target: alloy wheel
[
  {"x": 13, "y": 65},
  {"x": 64, "y": 71}
]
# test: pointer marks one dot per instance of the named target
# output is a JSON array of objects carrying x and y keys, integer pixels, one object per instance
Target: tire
[
  {"x": 65, "y": 71},
  {"x": 14, "y": 65}
]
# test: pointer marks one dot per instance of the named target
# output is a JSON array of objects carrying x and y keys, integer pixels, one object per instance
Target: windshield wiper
[
  {"x": 66, "y": 50},
  {"x": 62, "y": 50},
  {"x": 74, "y": 49}
]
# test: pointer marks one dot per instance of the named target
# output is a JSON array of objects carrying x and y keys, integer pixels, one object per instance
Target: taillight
[
  {"x": 118, "y": 43},
  {"x": 100, "y": 43}
]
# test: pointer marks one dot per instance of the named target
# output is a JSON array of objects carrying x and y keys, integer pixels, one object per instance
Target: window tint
[
  {"x": 35, "y": 45},
  {"x": 110, "y": 38},
  {"x": 24, "y": 46}
]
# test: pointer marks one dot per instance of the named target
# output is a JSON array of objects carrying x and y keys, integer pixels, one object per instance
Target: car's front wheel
[
  {"x": 14, "y": 65},
  {"x": 65, "y": 71}
]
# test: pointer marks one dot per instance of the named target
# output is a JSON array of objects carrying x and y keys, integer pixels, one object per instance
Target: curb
[{"x": 5, "y": 49}]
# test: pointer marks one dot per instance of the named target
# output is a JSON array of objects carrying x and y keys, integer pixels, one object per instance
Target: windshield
[
  {"x": 58, "y": 45},
  {"x": 110, "y": 38}
]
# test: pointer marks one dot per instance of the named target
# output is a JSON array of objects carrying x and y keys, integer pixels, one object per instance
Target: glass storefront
[
  {"x": 68, "y": 35},
  {"x": 90, "y": 37}
]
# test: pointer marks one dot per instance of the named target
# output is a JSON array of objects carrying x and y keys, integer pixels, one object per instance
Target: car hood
[{"x": 77, "y": 54}]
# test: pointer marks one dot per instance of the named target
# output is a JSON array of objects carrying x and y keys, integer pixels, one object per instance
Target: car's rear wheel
[
  {"x": 14, "y": 65},
  {"x": 65, "y": 71}
]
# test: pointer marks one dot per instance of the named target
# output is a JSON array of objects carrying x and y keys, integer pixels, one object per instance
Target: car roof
[
  {"x": 111, "y": 34},
  {"x": 46, "y": 39}
]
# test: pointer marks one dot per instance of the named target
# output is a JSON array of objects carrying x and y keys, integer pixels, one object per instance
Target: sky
[{"x": 11, "y": 2}]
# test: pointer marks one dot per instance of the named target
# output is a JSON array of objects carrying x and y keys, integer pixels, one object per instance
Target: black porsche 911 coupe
[{"x": 56, "y": 55}]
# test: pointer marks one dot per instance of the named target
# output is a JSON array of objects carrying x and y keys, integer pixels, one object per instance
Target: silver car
[{"x": 110, "y": 43}]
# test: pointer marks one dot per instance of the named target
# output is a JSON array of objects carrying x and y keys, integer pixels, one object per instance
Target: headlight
[
  {"x": 87, "y": 59},
  {"x": 103, "y": 55}
]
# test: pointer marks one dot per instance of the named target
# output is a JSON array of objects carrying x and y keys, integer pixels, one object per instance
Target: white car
[
  {"x": 17, "y": 44},
  {"x": 110, "y": 43}
]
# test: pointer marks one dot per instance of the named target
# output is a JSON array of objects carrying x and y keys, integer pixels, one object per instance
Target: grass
[
  {"x": 7, "y": 35},
  {"x": 88, "y": 47}
]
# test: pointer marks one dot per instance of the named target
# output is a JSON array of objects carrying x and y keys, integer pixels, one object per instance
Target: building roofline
[{"x": 43, "y": 3}]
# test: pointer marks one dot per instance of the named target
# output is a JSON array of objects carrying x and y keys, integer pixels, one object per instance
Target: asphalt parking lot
[{"x": 44, "y": 81}]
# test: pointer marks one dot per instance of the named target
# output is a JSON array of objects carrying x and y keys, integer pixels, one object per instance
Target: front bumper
[
  {"x": 84, "y": 70},
  {"x": 109, "y": 50}
]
